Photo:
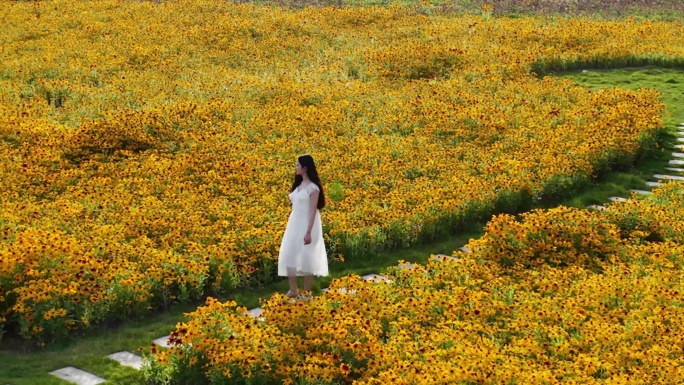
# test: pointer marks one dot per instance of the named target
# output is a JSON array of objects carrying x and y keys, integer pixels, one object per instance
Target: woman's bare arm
[{"x": 313, "y": 206}]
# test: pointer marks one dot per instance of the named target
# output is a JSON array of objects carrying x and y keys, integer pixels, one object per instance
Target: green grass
[
  {"x": 88, "y": 353},
  {"x": 670, "y": 84},
  {"x": 23, "y": 366}
]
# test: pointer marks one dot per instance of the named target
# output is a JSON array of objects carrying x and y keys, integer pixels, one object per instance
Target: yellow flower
[{"x": 136, "y": 175}]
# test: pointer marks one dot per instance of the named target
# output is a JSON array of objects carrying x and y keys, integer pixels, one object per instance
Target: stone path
[
  {"x": 618, "y": 199},
  {"x": 597, "y": 207},
  {"x": 77, "y": 376},
  {"x": 81, "y": 377},
  {"x": 675, "y": 167},
  {"x": 162, "y": 341},
  {"x": 675, "y": 171},
  {"x": 127, "y": 359}
]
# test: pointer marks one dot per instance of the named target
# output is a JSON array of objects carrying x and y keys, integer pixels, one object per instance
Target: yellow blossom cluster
[
  {"x": 477, "y": 320},
  {"x": 147, "y": 148}
]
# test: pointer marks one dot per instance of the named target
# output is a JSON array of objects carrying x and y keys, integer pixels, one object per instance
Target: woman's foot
[
  {"x": 305, "y": 296},
  {"x": 290, "y": 298}
]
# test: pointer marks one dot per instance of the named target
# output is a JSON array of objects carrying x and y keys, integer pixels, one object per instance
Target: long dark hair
[{"x": 308, "y": 162}]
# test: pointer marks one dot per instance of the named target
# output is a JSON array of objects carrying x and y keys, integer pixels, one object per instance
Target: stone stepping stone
[
  {"x": 77, "y": 376},
  {"x": 127, "y": 359},
  {"x": 679, "y": 146},
  {"x": 344, "y": 290},
  {"x": 654, "y": 184},
  {"x": 641, "y": 192},
  {"x": 675, "y": 169},
  {"x": 442, "y": 257},
  {"x": 681, "y": 139},
  {"x": 162, "y": 341},
  {"x": 676, "y": 162},
  {"x": 465, "y": 249},
  {"x": 618, "y": 199},
  {"x": 341, "y": 290},
  {"x": 256, "y": 312},
  {"x": 597, "y": 207},
  {"x": 668, "y": 177},
  {"x": 376, "y": 278},
  {"x": 678, "y": 154},
  {"x": 408, "y": 266}
]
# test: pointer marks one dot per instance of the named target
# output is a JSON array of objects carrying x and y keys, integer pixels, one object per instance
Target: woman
[{"x": 302, "y": 251}]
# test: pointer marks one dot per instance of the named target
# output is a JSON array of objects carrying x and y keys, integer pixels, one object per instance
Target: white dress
[{"x": 295, "y": 257}]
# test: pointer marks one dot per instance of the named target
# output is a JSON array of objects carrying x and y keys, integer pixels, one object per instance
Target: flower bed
[
  {"x": 613, "y": 315},
  {"x": 153, "y": 166}
]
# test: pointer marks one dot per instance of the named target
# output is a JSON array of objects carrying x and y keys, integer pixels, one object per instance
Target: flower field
[
  {"x": 602, "y": 305},
  {"x": 146, "y": 149}
]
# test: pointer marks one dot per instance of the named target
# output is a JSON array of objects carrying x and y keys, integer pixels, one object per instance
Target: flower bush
[
  {"x": 153, "y": 166},
  {"x": 475, "y": 320}
]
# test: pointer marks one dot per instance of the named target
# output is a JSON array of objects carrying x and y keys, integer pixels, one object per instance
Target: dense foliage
[
  {"x": 146, "y": 149},
  {"x": 603, "y": 305}
]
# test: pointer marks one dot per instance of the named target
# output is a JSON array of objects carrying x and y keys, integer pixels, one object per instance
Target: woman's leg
[
  {"x": 292, "y": 280},
  {"x": 308, "y": 282}
]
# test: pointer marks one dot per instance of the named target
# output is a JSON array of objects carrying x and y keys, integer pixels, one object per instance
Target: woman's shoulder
[{"x": 311, "y": 187}]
